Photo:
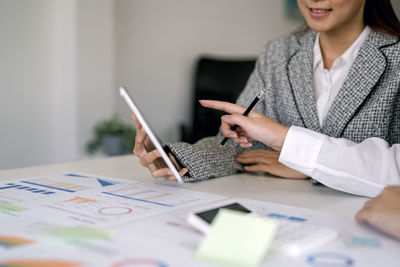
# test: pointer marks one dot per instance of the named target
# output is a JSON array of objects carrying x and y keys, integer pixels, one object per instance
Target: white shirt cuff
[{"x": 300, "y": 149}]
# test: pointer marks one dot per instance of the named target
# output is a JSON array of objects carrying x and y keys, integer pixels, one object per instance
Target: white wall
[
  {"x": 95, "y": 67},
  {"x": 29, "y": 65},
  {"x": 56, "y": 69},
  {"x": 62, "y": 106},
  {"x": 158, "y": 41}
]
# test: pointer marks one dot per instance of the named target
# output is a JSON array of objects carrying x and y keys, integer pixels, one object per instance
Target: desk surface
[{"x": 298, "y": 193}]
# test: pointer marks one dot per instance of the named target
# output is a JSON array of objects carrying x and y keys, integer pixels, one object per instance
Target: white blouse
[{"x": 328, "y": 82}]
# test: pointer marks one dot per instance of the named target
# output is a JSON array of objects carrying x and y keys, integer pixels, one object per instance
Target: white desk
[
  {"x": 298, "y": 193},
  {"x": 165, "y": 235}
]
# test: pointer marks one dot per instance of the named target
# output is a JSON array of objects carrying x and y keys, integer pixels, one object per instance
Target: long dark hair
[{"x": 380, "y": 16}]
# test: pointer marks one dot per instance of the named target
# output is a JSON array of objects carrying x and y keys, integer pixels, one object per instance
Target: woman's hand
[
  {"x": 151, "y": 158},
  {"x": 254, "y": 127},
  {"x": 267, "y": 161},
  {"x": 383, "y": 212}
]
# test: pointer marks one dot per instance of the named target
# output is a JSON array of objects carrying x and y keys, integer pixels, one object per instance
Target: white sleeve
[{"x": 361, "y": 169}]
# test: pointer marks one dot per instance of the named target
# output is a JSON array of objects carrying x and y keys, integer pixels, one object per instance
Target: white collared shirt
[
  {"x": 328, "y": 82},
  {"x": 337, "y": 162}
]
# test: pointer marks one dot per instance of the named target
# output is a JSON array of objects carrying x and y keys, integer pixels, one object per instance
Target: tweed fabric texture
[{"x": 367, "y": 105}]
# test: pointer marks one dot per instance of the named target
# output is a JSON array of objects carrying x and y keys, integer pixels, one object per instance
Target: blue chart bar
[
  {"x": 7, "y": 187},
  {"x": 297, "y": 219},
  {"x": 39, "y": 191},
  {"x": 282, "y": 216},
  {"x": 138, "y": 199},
  {"x": 26, "y": 188},
  {"x": 48, "y": 186},
  {"x": 22, "y": 187},
  {"x": 277, "y": 215},
  {"x": 76, "y": 175}
]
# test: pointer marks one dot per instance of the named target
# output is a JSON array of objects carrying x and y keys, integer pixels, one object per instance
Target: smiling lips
[{"x": 319, "y": 12}]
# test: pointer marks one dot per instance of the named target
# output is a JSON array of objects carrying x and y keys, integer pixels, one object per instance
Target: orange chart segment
[
  {"x": 10, "y": 241},
  {"x": 38, "y": 263},
  {"x": 79, "y": 200}
]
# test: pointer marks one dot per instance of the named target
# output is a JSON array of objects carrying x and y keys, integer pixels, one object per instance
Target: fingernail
[{"x": 246, "y": 145}]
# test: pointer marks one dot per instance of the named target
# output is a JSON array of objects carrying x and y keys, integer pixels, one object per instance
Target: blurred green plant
[{"x": 112, "y": 127}]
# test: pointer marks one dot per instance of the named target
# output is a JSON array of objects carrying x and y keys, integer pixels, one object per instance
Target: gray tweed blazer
[{"x": 367, "y": 105}]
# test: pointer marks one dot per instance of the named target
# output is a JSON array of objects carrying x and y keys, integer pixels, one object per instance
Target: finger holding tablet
[
  {"x": 149, "y": 156},
  {"x": 158, "y": 158}
]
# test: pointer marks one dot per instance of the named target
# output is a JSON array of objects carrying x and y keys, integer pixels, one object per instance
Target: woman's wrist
[{"x": 280, "y": 136}]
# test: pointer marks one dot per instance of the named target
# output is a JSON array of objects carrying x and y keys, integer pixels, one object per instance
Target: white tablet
[{"x": 164, "y": 150}]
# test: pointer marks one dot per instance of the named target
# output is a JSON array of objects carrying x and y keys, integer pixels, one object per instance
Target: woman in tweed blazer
[{"x": 367, "y": 104}]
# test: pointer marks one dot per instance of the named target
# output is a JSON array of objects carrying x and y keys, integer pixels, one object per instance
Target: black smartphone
[{"x": 202, "y": 219}]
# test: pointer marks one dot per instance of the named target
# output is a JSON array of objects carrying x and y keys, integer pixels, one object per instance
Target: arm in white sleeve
[{"x": 361, "y": 169}]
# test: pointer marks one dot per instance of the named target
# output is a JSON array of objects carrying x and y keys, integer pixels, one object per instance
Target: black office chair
[{"x": 217, "y": 79}]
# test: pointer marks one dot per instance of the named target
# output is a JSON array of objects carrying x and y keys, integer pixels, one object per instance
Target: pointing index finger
[{"x": 223, "y": 106}]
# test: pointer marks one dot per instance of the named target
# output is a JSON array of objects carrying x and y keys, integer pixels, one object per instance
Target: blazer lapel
[
  {"x": 364, "y": 74},
  {"x": 300, "y": 72}
]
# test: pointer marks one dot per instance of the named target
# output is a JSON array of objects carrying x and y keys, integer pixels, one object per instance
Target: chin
[{"x": 320, "y": 27}]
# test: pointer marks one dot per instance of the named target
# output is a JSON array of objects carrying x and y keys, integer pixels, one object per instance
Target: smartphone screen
[{"x": 209, "y": 215}]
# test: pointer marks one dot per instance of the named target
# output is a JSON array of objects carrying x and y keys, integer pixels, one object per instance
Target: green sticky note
[
  {"x": 79, "y": 233},
  {"x": 237, "y": 239},
  {"x": 11, "y": 207}
]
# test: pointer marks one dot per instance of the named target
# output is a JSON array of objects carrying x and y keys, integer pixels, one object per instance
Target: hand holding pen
[
  {"x": 255, "y": 126},
  {"x": 249, "y": 108}
]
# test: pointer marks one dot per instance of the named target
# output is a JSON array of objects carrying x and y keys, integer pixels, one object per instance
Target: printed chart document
[{"x": 76, "y": 219}]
